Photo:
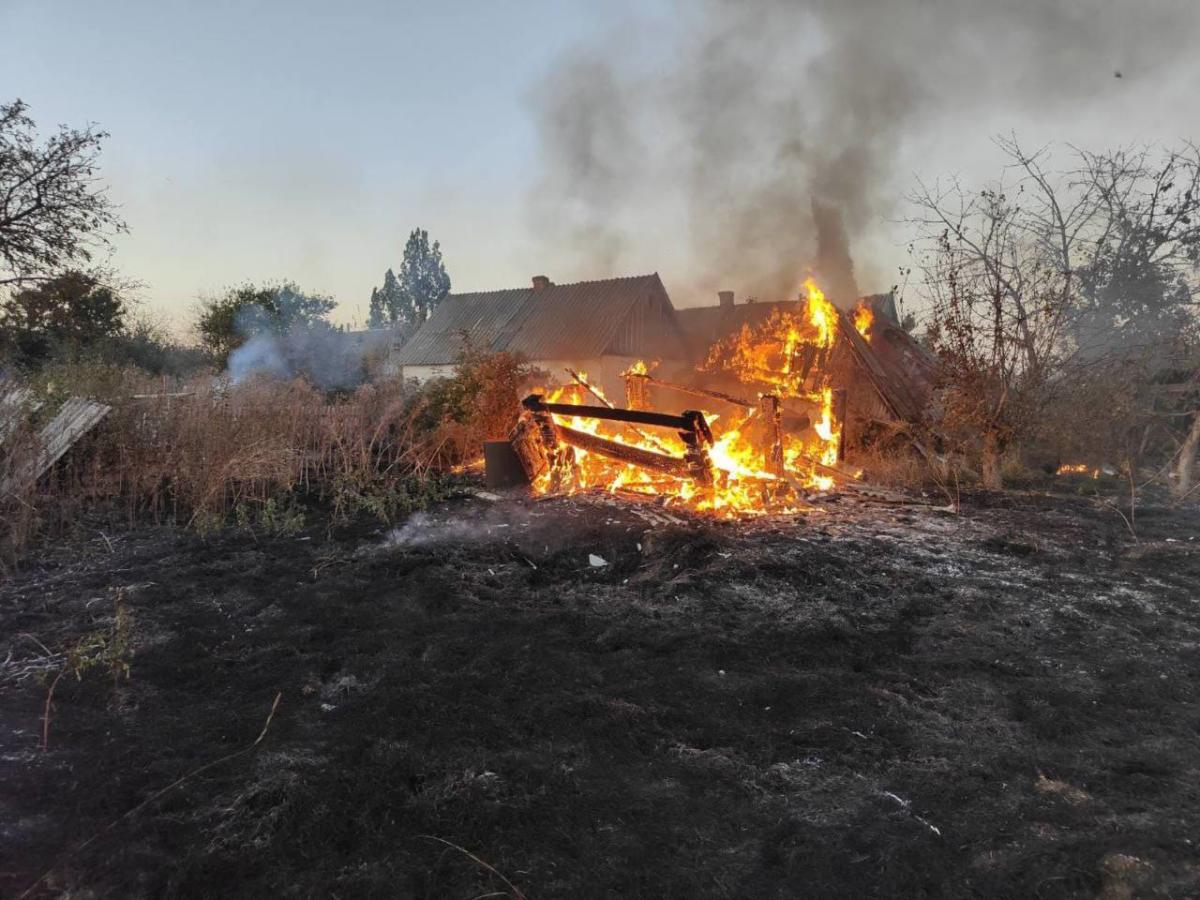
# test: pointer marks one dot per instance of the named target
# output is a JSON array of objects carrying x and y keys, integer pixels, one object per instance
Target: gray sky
[{"x": 298, "y": 139}]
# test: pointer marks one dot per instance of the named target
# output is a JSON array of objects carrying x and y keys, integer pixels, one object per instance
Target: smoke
[
  {"x": 764, "y": 136},
  {"x": 492, "y": 523},
  {"x": 833, "y": 267},
  {"x": 322, "y": 355}
]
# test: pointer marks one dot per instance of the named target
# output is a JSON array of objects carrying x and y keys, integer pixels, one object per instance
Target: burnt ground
[{"x": 869, "y": 701}]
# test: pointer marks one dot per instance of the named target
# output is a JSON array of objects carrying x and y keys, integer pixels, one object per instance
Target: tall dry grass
[{"x": 202, "y": 453}]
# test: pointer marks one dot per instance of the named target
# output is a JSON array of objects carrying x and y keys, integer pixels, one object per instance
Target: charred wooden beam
[
  {"x": 636, "y": 390},
  {"x": 840, "y": 403},
  {"x": 632, "y": 429},
  {"x": 697, "y": 438},
  {"x": 560, "y": 459},
  {"x": 536, "y": 405},
  {"x": 769, "y": 405},
  {"x": 697, "y": 424},
  {"x": 527, "y": 442},
  {"x": 646, "y": 459},
  {"x": 808, "y": 355},
  {"x": 814, "y": 375},
  {"x": 691, "y": 425}
]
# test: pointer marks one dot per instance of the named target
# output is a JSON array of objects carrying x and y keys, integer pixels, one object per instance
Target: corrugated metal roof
[
  {"x": 481, "y": 317},
  {"x": 14, "y": 403},
  {"x": 75, "y": 419},
  {"x": 579, "y": 320},
  {"x": 563, "y": 321}
]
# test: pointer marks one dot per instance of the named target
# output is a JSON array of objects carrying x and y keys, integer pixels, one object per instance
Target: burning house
[
  {"x": 889, "y": 375},
  {"x": 732, "y": 408},
  {"x": 598, "y": 327},
  {"x": 763, "y": 416},
  {"x": 704, "y": 326}
]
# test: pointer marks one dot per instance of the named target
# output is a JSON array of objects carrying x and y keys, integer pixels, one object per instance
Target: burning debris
[{"x": 764, "y": 425}]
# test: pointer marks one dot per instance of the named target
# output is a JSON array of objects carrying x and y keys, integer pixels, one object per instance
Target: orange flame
[
  {"x": 864, "y": 319},
  {"x": 786, "y": 356},
  {"x": 1077, "y": 469}
]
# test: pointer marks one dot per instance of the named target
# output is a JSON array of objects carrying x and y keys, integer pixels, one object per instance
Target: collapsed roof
[{"x": 902, "y": 371}]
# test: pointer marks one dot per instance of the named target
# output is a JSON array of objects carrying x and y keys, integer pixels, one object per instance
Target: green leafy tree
[
  {"x": 423, "y": 278},
  {"x": 406, "y": 301},
  {"x": 377, "y": 316},
  {"x": 64, "y": 315},
  {"x": 228, "y": 321},
  {"x": 390, "y": 305}
]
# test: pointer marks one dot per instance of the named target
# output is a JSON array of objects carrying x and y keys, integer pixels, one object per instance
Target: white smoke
[{"x": 320, "y": 354}]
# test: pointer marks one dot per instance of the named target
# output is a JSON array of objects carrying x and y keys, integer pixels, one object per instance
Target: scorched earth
[{"x": 598, "y": 700}]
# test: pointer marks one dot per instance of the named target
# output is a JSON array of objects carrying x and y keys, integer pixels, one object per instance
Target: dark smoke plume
[{"x": 763, "y": 135}]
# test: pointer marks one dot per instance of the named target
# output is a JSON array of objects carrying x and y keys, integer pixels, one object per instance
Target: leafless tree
[
  {"x": 54, "y": 212},
  {"x": 1044, "y": 273}
]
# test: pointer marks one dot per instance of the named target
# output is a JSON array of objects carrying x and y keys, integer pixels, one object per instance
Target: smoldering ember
[{"x": 759, "y": 480}]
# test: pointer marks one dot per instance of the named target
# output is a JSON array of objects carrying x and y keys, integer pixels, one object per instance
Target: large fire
[{"x": 776, "y": 441}]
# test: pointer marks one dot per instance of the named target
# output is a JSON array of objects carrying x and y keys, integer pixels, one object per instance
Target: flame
[
  {"x": 784, "y": 362},
  {"x": 1077, "y": 469},
  {"x": 864, "y": 319},
  {"x": 820, "y": 312}
]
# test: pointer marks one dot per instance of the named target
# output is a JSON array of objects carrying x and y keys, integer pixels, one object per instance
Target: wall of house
[
  {"x": 421, "y": 374},
  {"x": 650, "y": 331}
]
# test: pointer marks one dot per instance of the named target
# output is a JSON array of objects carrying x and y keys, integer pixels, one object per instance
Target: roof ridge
[
  {"x": 559, "y": 285},
  {"x": 606, "y": 280},
  {"x": 523, "y": 290}
]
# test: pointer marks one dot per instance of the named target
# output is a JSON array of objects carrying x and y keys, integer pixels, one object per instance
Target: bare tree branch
[{"x": 54, "y": 212}]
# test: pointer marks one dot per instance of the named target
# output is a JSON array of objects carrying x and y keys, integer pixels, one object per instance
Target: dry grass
[{"x": 197, "y": 453}]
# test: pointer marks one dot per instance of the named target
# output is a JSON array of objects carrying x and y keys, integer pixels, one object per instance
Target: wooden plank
[
  {"x": 646, "y": 459},
  {"x": 636, "y": 416},
  {"x": 896, "y": 404},
  {"x": 641, "y": 435}
]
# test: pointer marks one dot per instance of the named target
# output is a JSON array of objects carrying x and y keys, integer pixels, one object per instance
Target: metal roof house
[{"x": 600, "y": 327}]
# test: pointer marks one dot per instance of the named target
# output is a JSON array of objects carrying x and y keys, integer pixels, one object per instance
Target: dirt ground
[{"x": 866, "y": 701}]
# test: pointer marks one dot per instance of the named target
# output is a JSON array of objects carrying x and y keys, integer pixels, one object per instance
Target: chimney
[
  {"x": 726, "y": 298},
  {"x": 540, "y": 283}
]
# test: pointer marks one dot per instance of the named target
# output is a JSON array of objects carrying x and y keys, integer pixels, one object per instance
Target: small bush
[{"x": 479, "y": 403}]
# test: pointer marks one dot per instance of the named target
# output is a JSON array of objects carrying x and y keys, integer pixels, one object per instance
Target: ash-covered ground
[{"x": 866, "y": 701}]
